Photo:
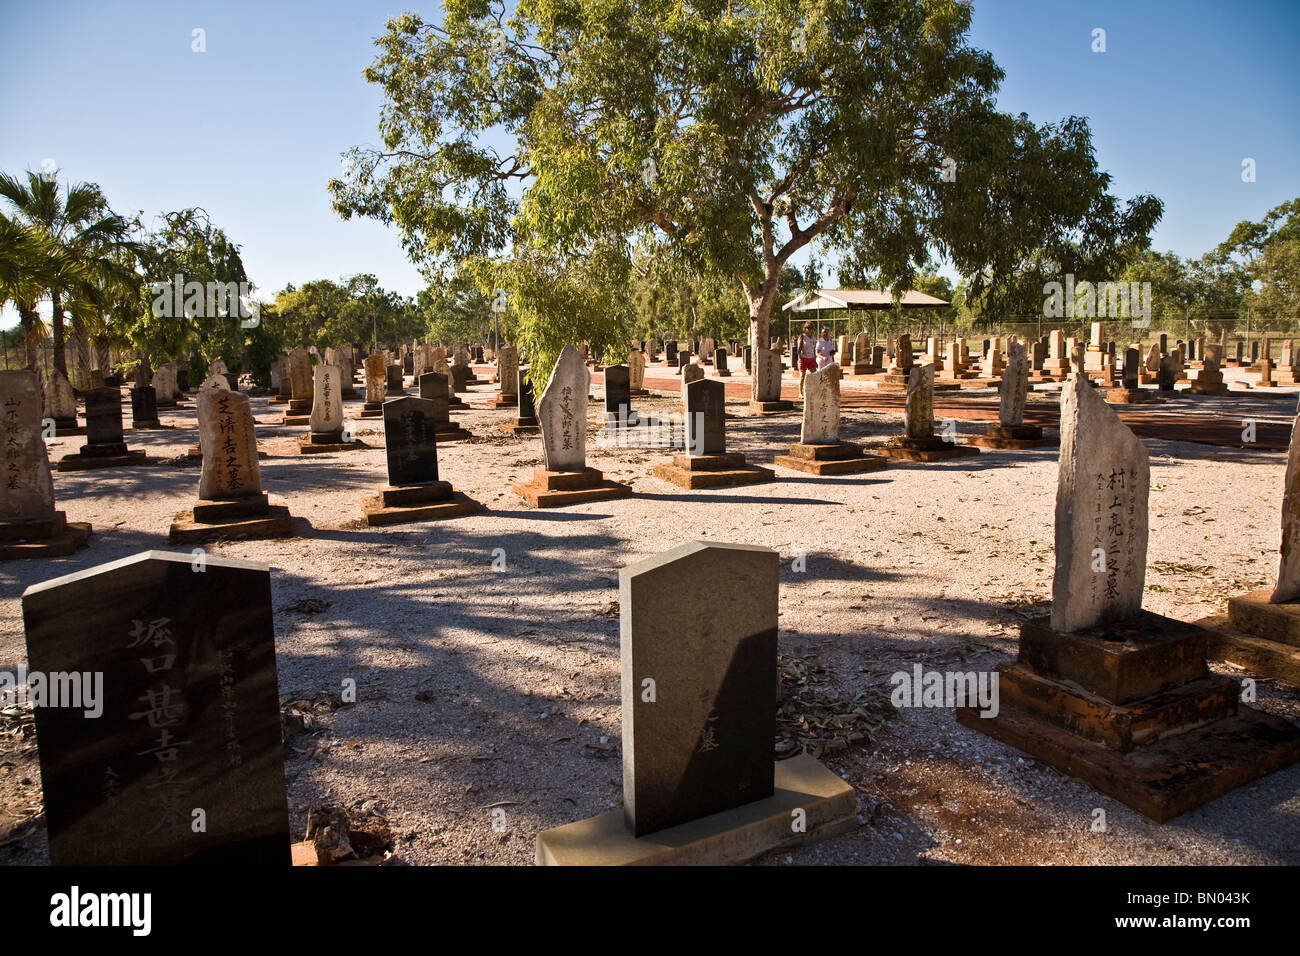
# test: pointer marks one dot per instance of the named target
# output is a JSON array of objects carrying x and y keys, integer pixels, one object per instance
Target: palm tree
[{"x": 76, "y": 222}]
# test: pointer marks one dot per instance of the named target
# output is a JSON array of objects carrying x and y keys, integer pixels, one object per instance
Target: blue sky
[{"x": 252, "y": 128}]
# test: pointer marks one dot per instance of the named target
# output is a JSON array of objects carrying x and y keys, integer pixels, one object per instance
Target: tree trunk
[
  {"x": 56, "y": 328},
  {"x": 28, "y": 319},
  {"x": 761, "y": 301}
]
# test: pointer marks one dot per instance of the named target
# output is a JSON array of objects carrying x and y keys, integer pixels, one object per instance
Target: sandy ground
[{"x": 482, "y": 689}]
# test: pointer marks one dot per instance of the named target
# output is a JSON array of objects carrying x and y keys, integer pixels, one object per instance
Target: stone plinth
[
  {"x": 1130, "y": 396},
  {"x": 1131, "y": 709},
  {"x": 324, "y": 443},
  {"x": 926, "y": 449},
  {"x": 427, "y": 501},
  {"x": 732, "y": 836},
  {"x": 1263, "y": 638},
  {"x": 250, "y": 517},
  {"x": 554, "y": 489},
  {"x": 838, "y": 458},
  {"x": 1012, "y": 437},
  {"x": 54, "y": 537},
  {"x": 712, "y": 471}
]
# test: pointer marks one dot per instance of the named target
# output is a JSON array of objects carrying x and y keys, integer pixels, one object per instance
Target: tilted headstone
[
  {"x": 562, "y": 413},
  {"x": 821, "y": 407},
  {"x": 189, "y": 713},
  {"x": 702, "y": 742},
  {"x": 229, "y": 444},
  {"x": 1101, "y": 514}
]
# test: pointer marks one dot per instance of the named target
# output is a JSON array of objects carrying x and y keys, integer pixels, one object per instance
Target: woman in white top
[{"x": 825, "y": 350}]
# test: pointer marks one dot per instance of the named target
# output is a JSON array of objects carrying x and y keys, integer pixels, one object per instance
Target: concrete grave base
[
  {"x": 295, "y": 420},
  {"x": 838, "y": 459},
  {"x": 322, "y": 443},
  {"x": 1130, "y": 709},
  {"x": 712, "y": 471},
  {"x": 1263, "y": 638},
  {"x": 732, "y": 836},
  {"x": 503, "y": 401},
  {"x": 1130, "y": 396},
  {"x": 433, "y": 501},
  {"x": 45, "y": 538},
  {"x": 450, "y": 431},
  {"x": 554, "y": 489},
  {"x": 517, "y": 429},
  {"x": 770, "y": 408},
  {"x": 80, "y": 461},
  {"x": 1013, "y": 437},
  {"x": 65, "y": 427},
  {"x": 926, "y": 449},
  {"x": 215, "y": 520}
]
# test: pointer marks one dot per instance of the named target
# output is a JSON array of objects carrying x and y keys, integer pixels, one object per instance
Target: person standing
[
  {"x": 825, "y": 349},
  {"x": 807, "y": 352}
]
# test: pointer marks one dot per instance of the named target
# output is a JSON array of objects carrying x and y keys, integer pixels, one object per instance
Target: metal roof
[{"x": 876, "y": 299}]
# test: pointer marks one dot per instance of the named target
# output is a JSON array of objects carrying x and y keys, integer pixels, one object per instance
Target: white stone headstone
[
  {"x": 562, "y": 413},
  {"x": 821, "y": 406},
  {"x": 327, "y": 401},
  {"x": 1101, "y": 514}
]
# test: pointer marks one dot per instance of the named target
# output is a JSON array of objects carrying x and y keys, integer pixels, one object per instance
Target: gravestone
[
  {"x": 376, "y": 386},
  {"x": 767, "y": 383},
  {"x": 562, "y": 412},
  {"x": 683, "y": 360},
  {"x": 698, "y": 723},
  {"x": 395, "y": 387},
  {"x": 1101, "y": 503},
  {"x": 414, "y": 491},
  {"x": 61, "y": 404},
  {"x": 707, "y": 463},
  {"x": 670, "y": 352},
  {"x": 105, "y": 446},
  {"x": 862, "y": 355},
  {"x": 749, "y": 359},
  {"x": 435, "y": 387},
  {"x": 30, "y": 527},
  {"x": 527, "y": 410},
  {"x": 508, "y": 374},
  {"x": 1116, "y": 696},
  {"x": 300, "y": 382},
  {"x": 918, "y": 442},
  {"x": 190, "y": 714},
  {"x": 1010, "y": 431},
  {"x": 691, "y": 373},
  {"x": 618, "y": 394},
  {"x": 706, "y": 745},
  {"x": 460, "y": 376},
  {"x": 636, "y": 362},
  {"x": 326, "y": 422},
  {"x": 720, "y": 363},
  {"x": 819, "y": 450},
  {"x": 144, "y": 408}
]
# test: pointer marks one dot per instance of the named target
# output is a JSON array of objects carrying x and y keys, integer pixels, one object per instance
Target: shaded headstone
[
  {"x": 190, "y": 714},
  {"x": 527, "y": 410},
  {"x": 720, "y": 363},
  {"x": 703, "y": 743},
  {"x": 705, "y": 402},
  {"x": 410, "y": 438},
  {"x": 300, "y": 382},
  {"x": 1015, "y": 387},
  {"x": 618, "y": 393},
  {"x": 27, "y": 491},
  {"x": 144, "y": 408},
  {"x": 61, "y": 402}
]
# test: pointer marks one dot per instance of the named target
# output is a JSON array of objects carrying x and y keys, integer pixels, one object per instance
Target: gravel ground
[{"x": 481, "y": 689}]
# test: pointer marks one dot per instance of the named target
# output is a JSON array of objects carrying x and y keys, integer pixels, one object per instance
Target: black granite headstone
[
  {"x": 527, "y": 410},
  {"x": 434, "y": 388},
  {"x": 705, "y": 418},
  {"x": 189, "y": 731},
  {"x": 720, "y": 360},
  {"x": 749, "y": 359},
  {"x": 459, "y": 378},
  {"x": 144, "y": 406},
  {"x": 618, "y": 393},
  {"x": 408, "y": 364},
  {"x": 683, "y": 359},
  {"x": 670, "y": 351},
  {"x": 394, "y": 383},
  {"x": 409, "y": 437},
  {"x": 183, "y": 379},
  {"x": 104, "y": 422}
]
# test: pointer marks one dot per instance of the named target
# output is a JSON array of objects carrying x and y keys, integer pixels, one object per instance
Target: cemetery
[{"x": 572, "y": 559}]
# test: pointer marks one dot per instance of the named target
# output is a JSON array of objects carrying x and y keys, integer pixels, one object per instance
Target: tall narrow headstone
[
  {"x": 562, "y": 413},
  {"x": 705, "y": 402},
  {"x": 327, "y": 405},
  {"x": 618, "y": 394},
  {"x": 1101, "y": 514},
  {"x": 105, "y": 446}
]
